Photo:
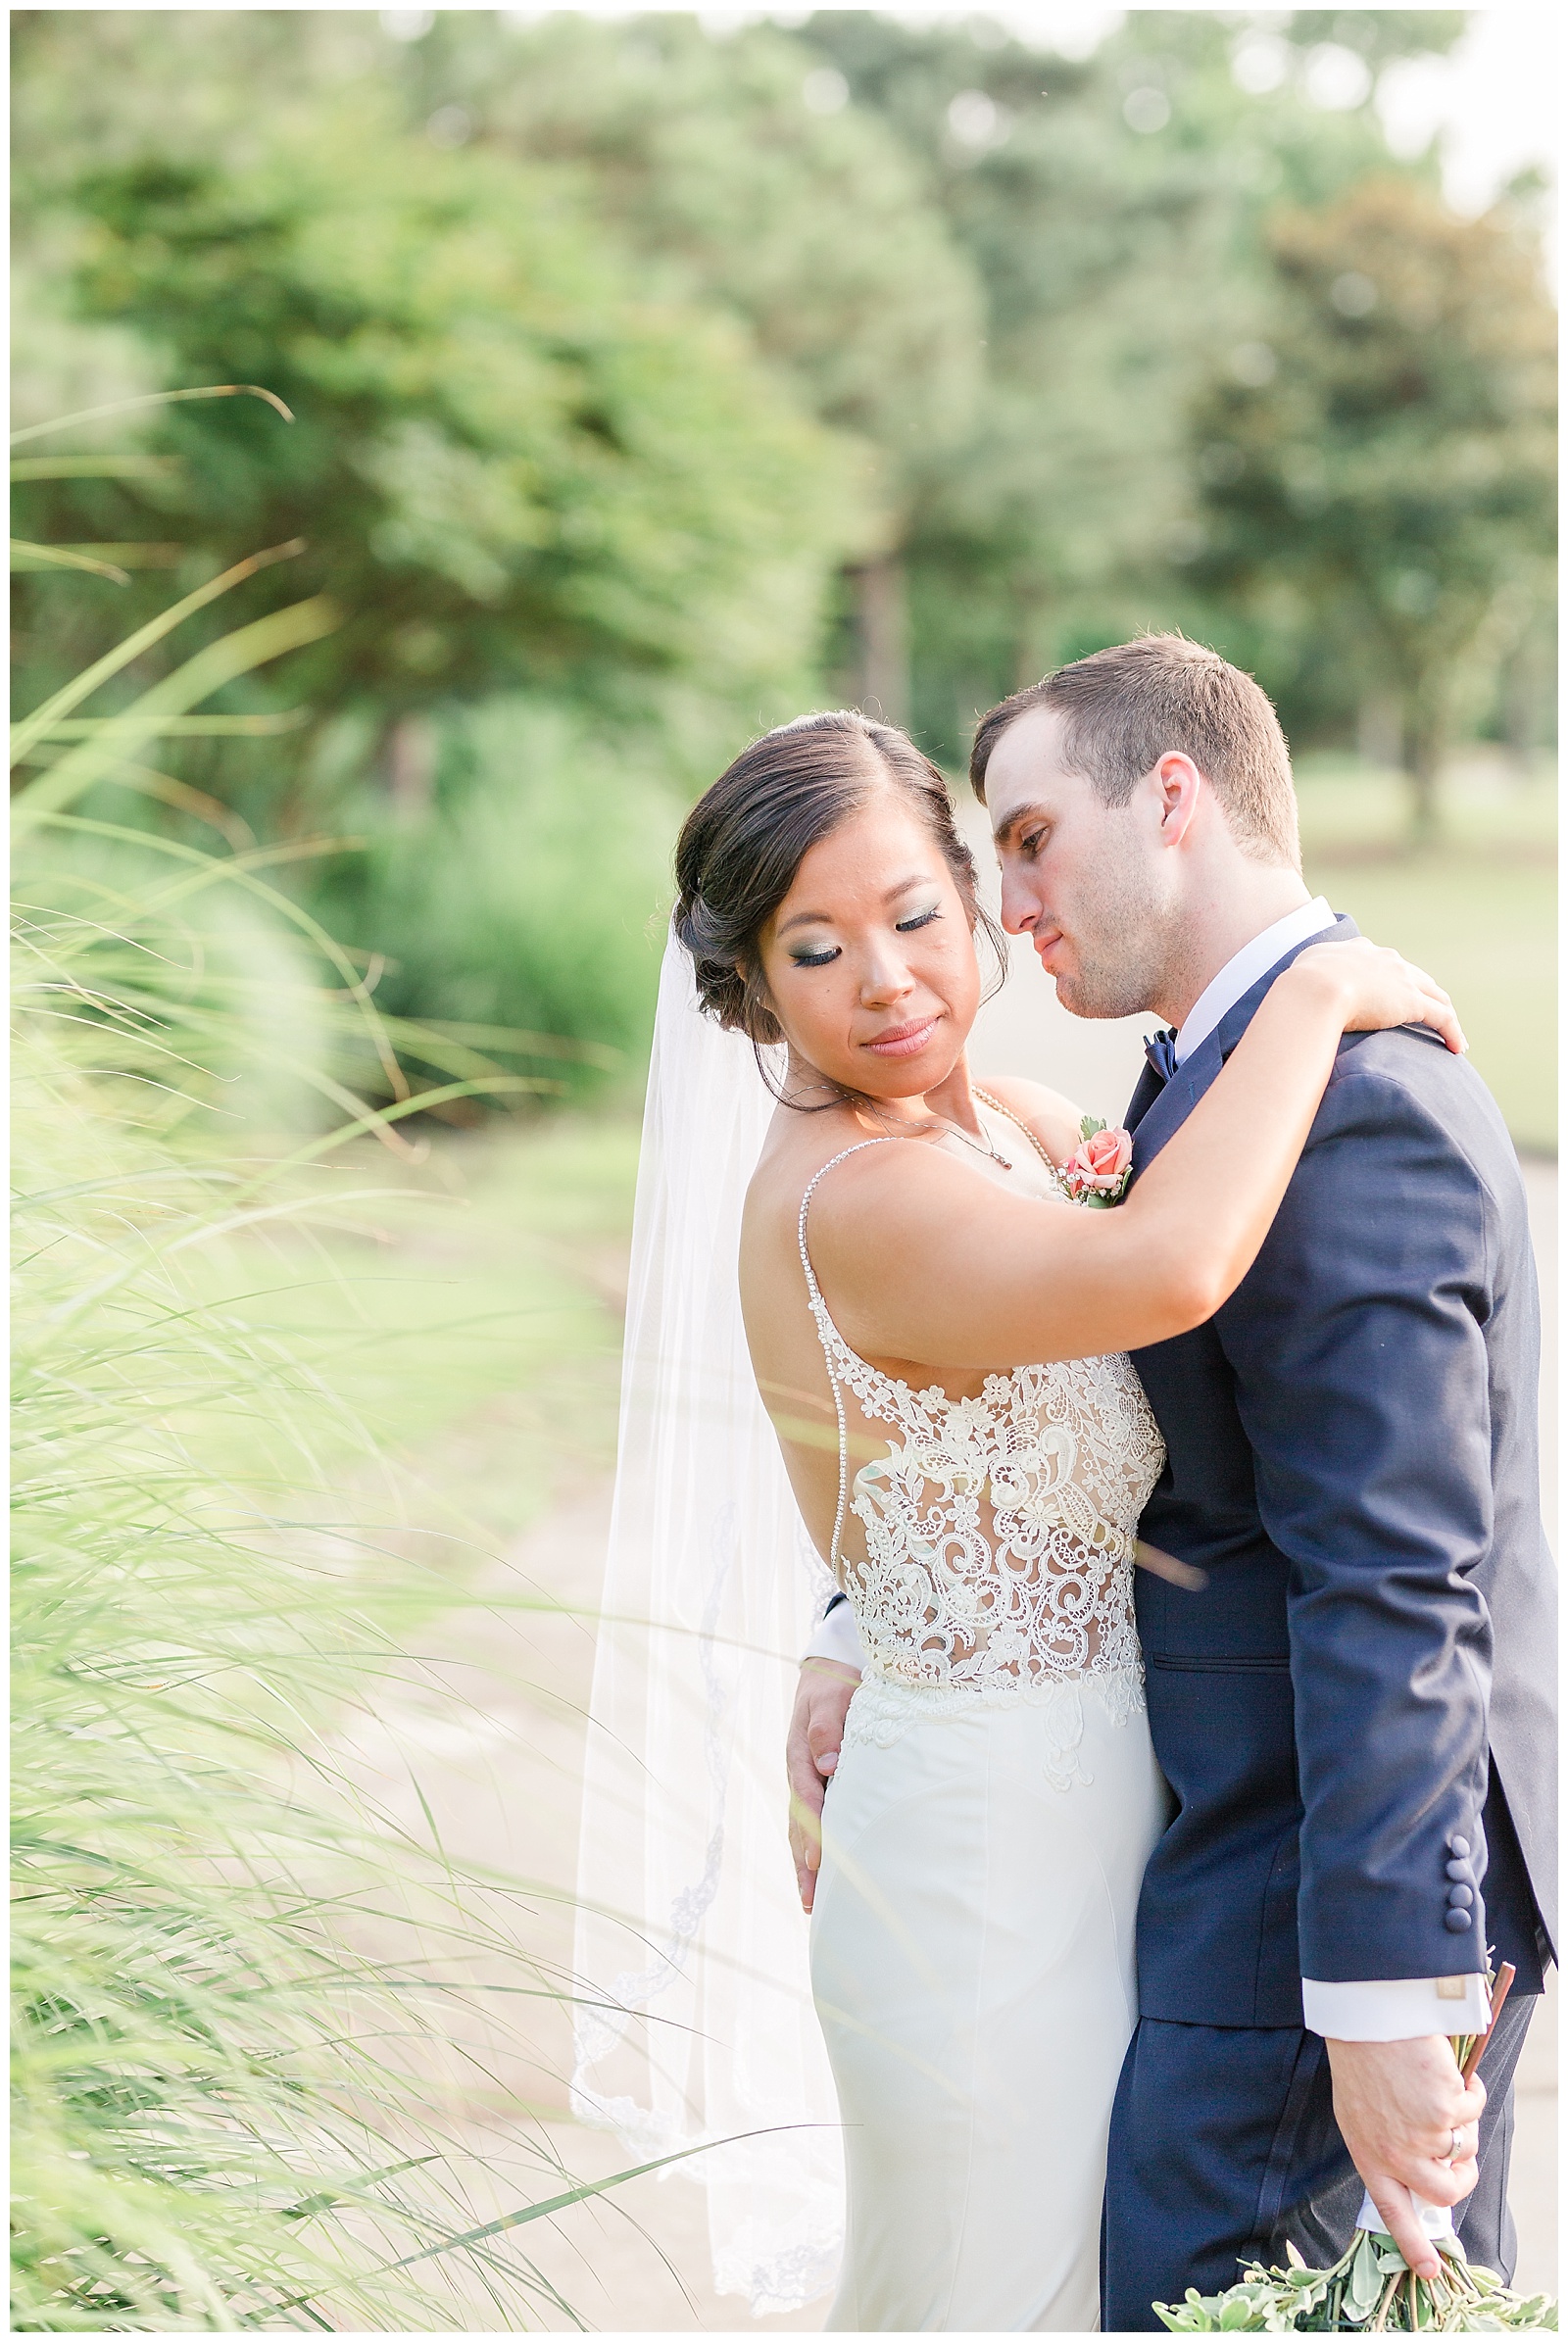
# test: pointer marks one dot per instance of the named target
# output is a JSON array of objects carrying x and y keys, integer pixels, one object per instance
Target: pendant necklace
[
  {"x": 1007, "y": 1115},
  {"x": 981, "y": 1145}
]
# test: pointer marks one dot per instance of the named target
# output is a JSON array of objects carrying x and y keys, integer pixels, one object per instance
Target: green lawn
[
  {"x": 467, "y": 1308},
  {"x": 1479, "y": 909}
]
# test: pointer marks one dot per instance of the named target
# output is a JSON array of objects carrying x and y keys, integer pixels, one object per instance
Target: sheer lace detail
[{"x": 1000, "y": 1531}]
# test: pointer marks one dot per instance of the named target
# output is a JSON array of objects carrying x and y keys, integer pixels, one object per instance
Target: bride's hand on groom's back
[
  {"x": 811, "y": 1753},
  {"x": 1378, "y": 988}
]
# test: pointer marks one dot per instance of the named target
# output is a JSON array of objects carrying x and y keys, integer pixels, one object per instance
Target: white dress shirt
[
  {"x": 1241, "y": 972},
  {"x": 836, "y": 1636},
  {"x": 1382, "y": 2009}
]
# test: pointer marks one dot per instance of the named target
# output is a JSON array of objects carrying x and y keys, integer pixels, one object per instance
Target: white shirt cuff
[
  {"x": 1396, "y": 2008},
  {"x": 838, "y": 1637}
]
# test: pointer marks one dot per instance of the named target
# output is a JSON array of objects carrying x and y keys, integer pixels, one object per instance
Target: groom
[{"x": 1354, "y": 1711}]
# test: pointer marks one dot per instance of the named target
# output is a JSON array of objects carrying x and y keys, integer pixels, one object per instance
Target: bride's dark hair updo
[{"x": 746, "y": 837}]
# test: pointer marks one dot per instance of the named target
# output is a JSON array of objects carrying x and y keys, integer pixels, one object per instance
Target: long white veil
[{"x": 696, "y": 2021}]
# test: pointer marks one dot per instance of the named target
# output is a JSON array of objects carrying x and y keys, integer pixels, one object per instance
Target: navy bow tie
[{"x": 1160, "y": 1050}]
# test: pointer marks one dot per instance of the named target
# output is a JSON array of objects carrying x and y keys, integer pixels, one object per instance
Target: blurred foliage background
[{"x": 655, "y": 377}]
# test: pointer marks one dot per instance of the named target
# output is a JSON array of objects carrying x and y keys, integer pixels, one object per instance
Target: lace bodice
[{"x": 999, "y": 1529}]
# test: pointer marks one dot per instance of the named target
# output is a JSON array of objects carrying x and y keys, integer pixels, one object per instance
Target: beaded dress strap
[{"x": 828, "y": 1334}]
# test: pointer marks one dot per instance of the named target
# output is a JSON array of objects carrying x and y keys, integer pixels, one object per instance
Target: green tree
[
  {"x": 1379, "y": 36},
  {"x": 514, "y": 467},
  {"x": 1111, "y": 206},
  {"x": 745, "y": 180},
  {"x": 1386, "y": 469},
  {"x": 996, "y": 275},
  {"x": 992, "y": 285}
]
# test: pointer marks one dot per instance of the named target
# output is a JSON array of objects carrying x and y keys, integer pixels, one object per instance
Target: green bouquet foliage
[{"x": 1370, "y": 2289}]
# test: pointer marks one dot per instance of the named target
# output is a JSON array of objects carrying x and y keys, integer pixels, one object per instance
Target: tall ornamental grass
[{"x": 249, "y": 2001}]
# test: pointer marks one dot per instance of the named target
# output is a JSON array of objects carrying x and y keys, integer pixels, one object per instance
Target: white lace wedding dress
[{"x": 984, "y": 1835}]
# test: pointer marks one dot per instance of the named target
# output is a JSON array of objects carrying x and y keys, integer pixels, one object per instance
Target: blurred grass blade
[
  {"x": 250, "y": 1990},
  {"x": 576, "y": 2195},
  {"x": 154, "y": 397},
  {"x": 199, "y": 871},
  {"x": 92, "y": 468},
  {"x": 220, "y": 662},
  {"x": 137, "y": 553},
  {"x": 182, "y": 727},
  {"x": 70, "y": 695},
  {"x": 244, "y": 1989},
  {"x": 144, "y": 780},
  {"x": 26, "y": 556}
]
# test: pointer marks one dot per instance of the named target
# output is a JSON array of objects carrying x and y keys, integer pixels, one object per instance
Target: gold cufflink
[{"x": 1450, "y": 1988}]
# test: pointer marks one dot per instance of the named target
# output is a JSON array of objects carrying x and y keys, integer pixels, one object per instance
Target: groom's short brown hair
[{"x": 1126, "y": 708}]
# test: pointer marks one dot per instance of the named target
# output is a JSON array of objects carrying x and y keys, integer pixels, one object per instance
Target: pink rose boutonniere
[{"x": 1098, "y": 1169}]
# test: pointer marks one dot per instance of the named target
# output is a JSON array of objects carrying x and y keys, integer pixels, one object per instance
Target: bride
[{"x": 938, "y": 1338}]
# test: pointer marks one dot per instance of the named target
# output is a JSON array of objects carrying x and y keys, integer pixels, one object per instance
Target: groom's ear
[{"x": 1179, "y": 789}]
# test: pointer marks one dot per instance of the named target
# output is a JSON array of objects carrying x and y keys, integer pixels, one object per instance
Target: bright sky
[{"x": 1496, "y": 98}]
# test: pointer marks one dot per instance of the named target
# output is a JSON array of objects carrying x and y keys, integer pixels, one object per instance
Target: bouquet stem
[{"x": 1469, "y": 2047}]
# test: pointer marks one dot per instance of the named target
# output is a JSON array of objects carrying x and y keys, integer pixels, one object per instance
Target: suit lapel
[
  {"x": 1169, "y": 1110},
  {"x": 1159, "y": 1119},
  {"x": 1150, "y": 1087}
]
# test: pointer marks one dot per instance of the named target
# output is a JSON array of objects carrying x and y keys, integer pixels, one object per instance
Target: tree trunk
[
  {"x": 1377, "y": 729},
  {"x": 882, "y": 627},
  {"x": 411, "y": 757},
  {"x": 1424, "y": 744},
  {"x": 1039, "y": 635},
  {"x": 1527, "y": 697}
]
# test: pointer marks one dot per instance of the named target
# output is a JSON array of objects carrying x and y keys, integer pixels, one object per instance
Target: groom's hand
[
  {"x": 1398, "y": 2105},
  {"x": 811, "y": 1751}
]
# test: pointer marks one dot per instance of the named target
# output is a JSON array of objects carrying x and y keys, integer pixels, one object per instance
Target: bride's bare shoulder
[
  {"x": 1052, "y": 1118},
  {"x": 799, "y": 1148},
  {"x": 796, "y": 1147}
]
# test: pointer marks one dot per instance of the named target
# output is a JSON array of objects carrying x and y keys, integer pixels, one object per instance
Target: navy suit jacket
[{"x": 1352, "y": 1460}]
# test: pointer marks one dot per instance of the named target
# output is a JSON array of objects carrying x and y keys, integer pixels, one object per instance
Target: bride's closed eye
[{"x": 830, "y": 951}]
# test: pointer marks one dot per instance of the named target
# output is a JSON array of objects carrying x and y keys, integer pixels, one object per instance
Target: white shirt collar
[{"x": 1241, "y": 973}]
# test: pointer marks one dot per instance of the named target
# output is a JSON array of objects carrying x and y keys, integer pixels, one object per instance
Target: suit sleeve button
[
  {"x": 1458, "y": 1845},
  {"x": 1463, "y": 1872},
  {"x": 1460, "y": 1897},
  {"x": 1457, "y": 1923}
]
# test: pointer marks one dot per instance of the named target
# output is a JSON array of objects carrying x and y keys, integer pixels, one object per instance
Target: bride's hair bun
[
  {"x": 746, "y": 837},
  {"x": 721, "y": 986}
]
